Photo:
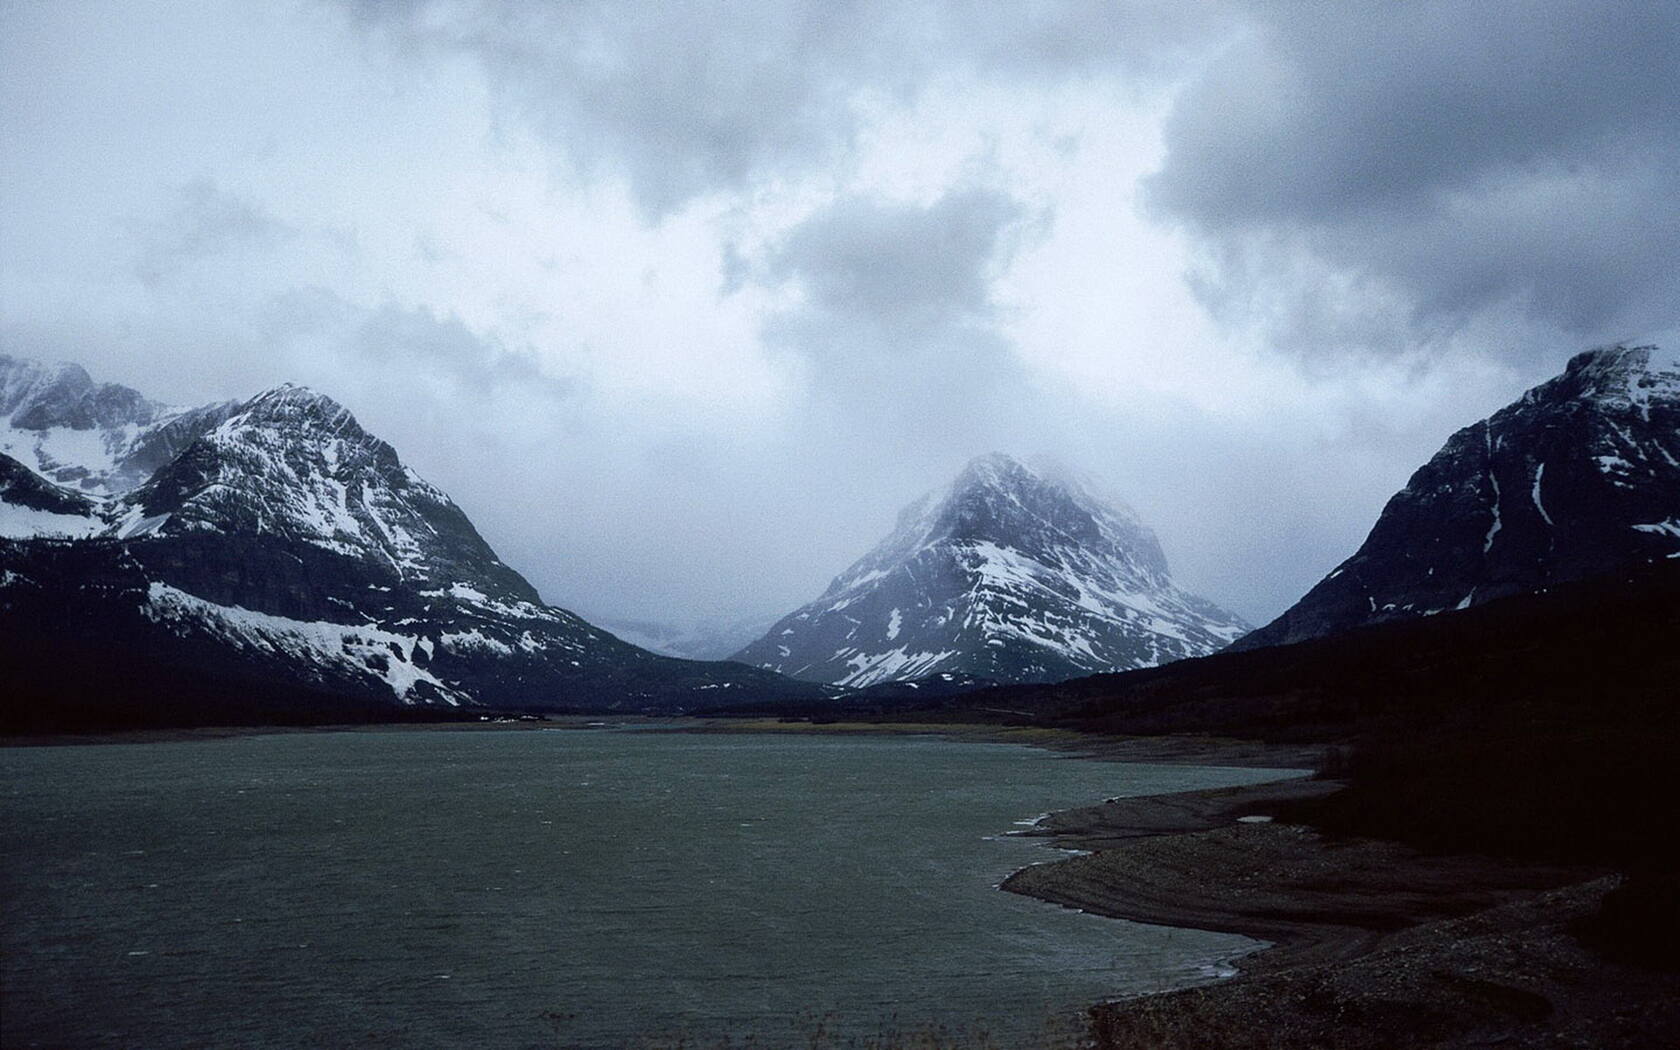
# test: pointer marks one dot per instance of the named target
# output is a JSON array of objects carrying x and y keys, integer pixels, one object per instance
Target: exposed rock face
[
  {"x": 1579, "y": 476},
  {"x": 1009, "y": 574},
  {"x": 280, "y": 540}
]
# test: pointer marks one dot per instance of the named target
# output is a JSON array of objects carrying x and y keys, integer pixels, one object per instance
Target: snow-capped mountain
[
  {"x": 281, "y": 540},
  {"x": 1579, "y": 476},
  {"x": 1007, "y": 574}
]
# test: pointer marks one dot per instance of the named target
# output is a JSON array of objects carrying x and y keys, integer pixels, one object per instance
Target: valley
[{"x": 1489, "y": 772}]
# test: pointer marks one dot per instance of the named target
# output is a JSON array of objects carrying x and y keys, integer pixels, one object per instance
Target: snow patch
[
  {"x": 137, "y": 525},
  {"x": 870, "y": 668},
  {"x": 18, "y": 522},
  {"x": 1493, "y": 530},
  {"x": 1613, "y": 465},
  {"x": 1540, "y": 472},
  {"x": 467, "y": 640}
]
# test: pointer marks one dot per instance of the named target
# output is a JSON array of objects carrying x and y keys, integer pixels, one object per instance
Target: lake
[{"x": 555, "y": 888}]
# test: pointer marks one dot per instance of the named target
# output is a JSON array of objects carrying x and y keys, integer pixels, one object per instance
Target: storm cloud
[
  {"x": 909, "y": 270},
  {"x": 688, "y": 99},
  {"x": 682, "y": 301},
  {"x": 1457, "y": 157}
]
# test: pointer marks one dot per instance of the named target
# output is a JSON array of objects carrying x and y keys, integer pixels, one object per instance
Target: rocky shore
[{"x": 1373, "y": 944}]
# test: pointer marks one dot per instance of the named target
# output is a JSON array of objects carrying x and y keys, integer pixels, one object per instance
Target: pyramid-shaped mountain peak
[{"x": 1008, "y": 573}]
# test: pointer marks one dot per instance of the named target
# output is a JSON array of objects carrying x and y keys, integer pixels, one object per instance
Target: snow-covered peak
[
  {"x": 289, "y": 463},
  {"x": 1617, "y": 374},
  {"x": 99, "y": 438},
  {"x": 296, "y": 465},
  {"x": 1009, "y": 572},
  {"x": 298, "y": 418},
  {"x": 991, "y": 470},
  {"x": 294, "y": 404},
  {"x": 998, "y": 499},
  {"x": 24, "y": 383}
]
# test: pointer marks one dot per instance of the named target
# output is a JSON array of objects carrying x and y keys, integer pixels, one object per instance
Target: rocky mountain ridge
[{"x": 1578, "y": 477}]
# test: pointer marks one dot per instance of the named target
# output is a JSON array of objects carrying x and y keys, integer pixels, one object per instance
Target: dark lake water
[{"x": 566, "y": 888}]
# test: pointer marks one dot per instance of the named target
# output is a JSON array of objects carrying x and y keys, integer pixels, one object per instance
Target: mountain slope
[
  {"x": 283, "y": 543},
  {"x": 1007, "y": 574},
  {"x": 1578, "y": 477}
]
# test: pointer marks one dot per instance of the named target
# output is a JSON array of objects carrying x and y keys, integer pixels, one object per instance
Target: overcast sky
[{"x": 681, "y": 301}]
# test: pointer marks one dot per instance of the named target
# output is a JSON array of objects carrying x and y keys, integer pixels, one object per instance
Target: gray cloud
[
  {"x": 687, "y": 99},
  {"x": 203, "y": 221},
  {"x": 414, "y": 340},
  {"x": 896, "y": 330},
  {"x": 1455, "y": 158},
  {"x": 903, "y": 270},
  {"x": 1356, "y": 175}
]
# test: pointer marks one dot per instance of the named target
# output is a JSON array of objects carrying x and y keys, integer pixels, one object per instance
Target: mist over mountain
[{"x": 707, "y": 638}]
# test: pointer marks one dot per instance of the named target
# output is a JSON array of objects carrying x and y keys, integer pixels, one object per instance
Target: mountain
[
  {"x": 278, "y": 542},
  {"x": 1007, "y": 574},
  {"x": 1578, "y": 477}
]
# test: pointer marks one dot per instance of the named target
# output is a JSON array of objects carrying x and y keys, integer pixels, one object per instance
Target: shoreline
[
  {"x": 1167, "y": 749},
  {"x": 185, "y": 734},
  {"x": 1173, "y": 750},
  {"x": 1372, "y": 945},
  {"x": 1191, "y": 860}
]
